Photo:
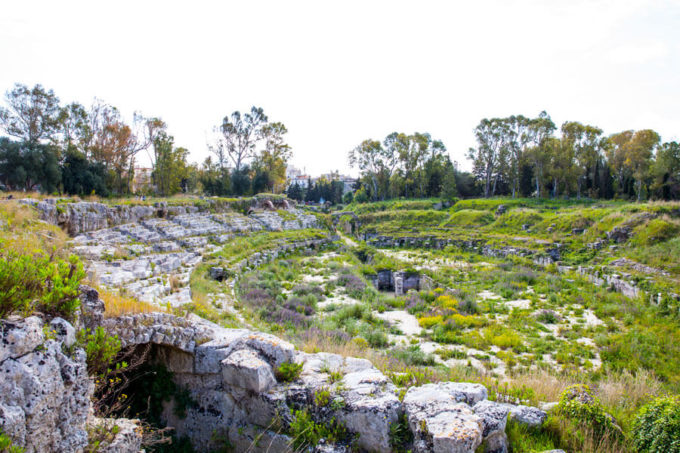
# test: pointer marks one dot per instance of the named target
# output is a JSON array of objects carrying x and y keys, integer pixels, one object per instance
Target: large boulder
[
  {"x": 44, "y": 393},
  {"x": 440, "y": 421}
]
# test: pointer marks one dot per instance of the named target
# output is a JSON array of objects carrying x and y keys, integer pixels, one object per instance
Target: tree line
[
  {"x": 517, "y": 155},
  {"x": 408, "y": 165},
  {"x": 522, "y": 156},
  {"x": 81, "y": 150}
]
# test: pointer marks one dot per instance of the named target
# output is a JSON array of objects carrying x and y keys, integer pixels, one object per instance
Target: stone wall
[{"x": 81, "y": 217}]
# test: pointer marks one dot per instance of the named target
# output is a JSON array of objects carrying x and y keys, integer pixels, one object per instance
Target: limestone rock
[
  {"x": 127, "y": 440},
  {"x": 494, "y": 416},
  {"x": 44, "y": 394},
  {"x": 245, "y": 369},
  {"x": 20, "y": 336},
  {"x": 64, "y": 331},
  {"x": 440, "y": 422},
  {"x": 527, "y": 415}
]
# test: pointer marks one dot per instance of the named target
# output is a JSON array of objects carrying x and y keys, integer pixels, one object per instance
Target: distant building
[
  {"x": 303, "y": 181},
  {"x": 141, "y": 182}
]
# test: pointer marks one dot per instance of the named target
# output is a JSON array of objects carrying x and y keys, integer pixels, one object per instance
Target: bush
[
  {"x": 656, "y": 427},
  {"x": 360, "y": 196},
  {"x": 288, "y": 371},
  {"x": 101, "y": 350},
  {"x": 306, "y": 433},
  {"x": 578, "y": 405},
  {"x": 39, "y": 282}
]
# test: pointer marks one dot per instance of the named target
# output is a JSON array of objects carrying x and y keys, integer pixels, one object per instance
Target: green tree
[
  {"x": 238, "y": 136},
  {"x": 583, "y": 142},
  {"x": 82, "y": 177},
  {"x": 369, "y": 158},
  {"x": 539, "y": 130},
  {"x": 32, "y": 114},
  {"x": 171, "y": 165},
  {"x": 271, "y": 162},
  {"x": 449, "y": 190},
  {"x": 25, "y": 166},
  {"x": 666, "y": 171}
]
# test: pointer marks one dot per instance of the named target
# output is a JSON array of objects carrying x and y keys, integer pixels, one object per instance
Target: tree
[
  {"x": 539, "y": 130},
  {"x": 171, "y": 165},
  {"x": 25, "y": 166},
  {"x": 295, "y": 192},
  {"x": 215, "y": 181},
  {"x": 518, "y": 138},
  {"x": 449, "y": 191},
  {"x": 630, "y": 157},
  {"x": 666, "y": 171},
  {"x": 583, "y": 142},
  {"x": 33, "y": 114},
  {"x": 239, "y": 136},
  {"x": 369, "y": 157},
  {"x": 74, "y": 127},
  {"x": 489, "y": 157},
  {"x": 82, "y": 177},
  {"x": 616, "y": 157},
  {"x": 394, "y": 146},
  {"x": 271, "y": 162},
  {"x": 639, "y": 157}
]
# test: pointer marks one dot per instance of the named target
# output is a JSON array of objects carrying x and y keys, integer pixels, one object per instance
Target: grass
[{"x": 117, "y": 304}]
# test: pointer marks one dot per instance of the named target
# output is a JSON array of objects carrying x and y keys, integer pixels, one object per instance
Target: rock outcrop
[
  {"x": 81, "y": 217},
  {"x": 44, "y": 391},
  {"x": 153, "y": 256},
  {"x": 237, "y": 394},
  {"x": 231, "y": 374}
]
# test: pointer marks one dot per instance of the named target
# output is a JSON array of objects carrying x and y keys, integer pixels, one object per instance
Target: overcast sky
[{"x": 336, "y": 73}]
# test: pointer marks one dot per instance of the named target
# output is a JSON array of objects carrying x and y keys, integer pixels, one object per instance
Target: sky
[{"x": 337, "y": 73}]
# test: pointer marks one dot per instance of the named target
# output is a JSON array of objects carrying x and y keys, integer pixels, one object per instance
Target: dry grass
[
  {"x": 22, "y": 231},
  {"x": 629, "y": 391},
  {"x": 175, "y": 283},
  {"x": 120, "y": 305}
]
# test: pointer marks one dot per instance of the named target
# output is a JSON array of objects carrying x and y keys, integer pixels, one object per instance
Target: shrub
[
  {"x": 322, "y": 397},
  {"x": 428, "y": 321},
  {"x": 306, "y": 433},
  {"x": 656, "y": 427},
  {"x": 40, "y": 282},
  {"x": 101, "y": 349},
  {"x": 548, "y": 317},
  {"x": 577, "y": 404},
  {"x": 288, "y": 371}
]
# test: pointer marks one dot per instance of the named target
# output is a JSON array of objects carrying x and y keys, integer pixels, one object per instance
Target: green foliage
[
  {"x": 401, "y": 436},
  {"x": 526, "y": 439},
  {"x": 578, "y": 405},
  {"x": 322, "y": 397},
  {"x": 7, "y": 446},
  {"x": 655, "y": 231},
  {"x": 656, "y": 427},
  {"x": 39, "y": 282},
  {"x": 288, "y": 371},
  {"x": 101, "y": 349},
  {"x": 469, "y": 217},
  {"x": 305, "y": 432}
]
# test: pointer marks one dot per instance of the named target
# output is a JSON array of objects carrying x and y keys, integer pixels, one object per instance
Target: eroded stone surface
[{"x": 44, "y": 394}]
